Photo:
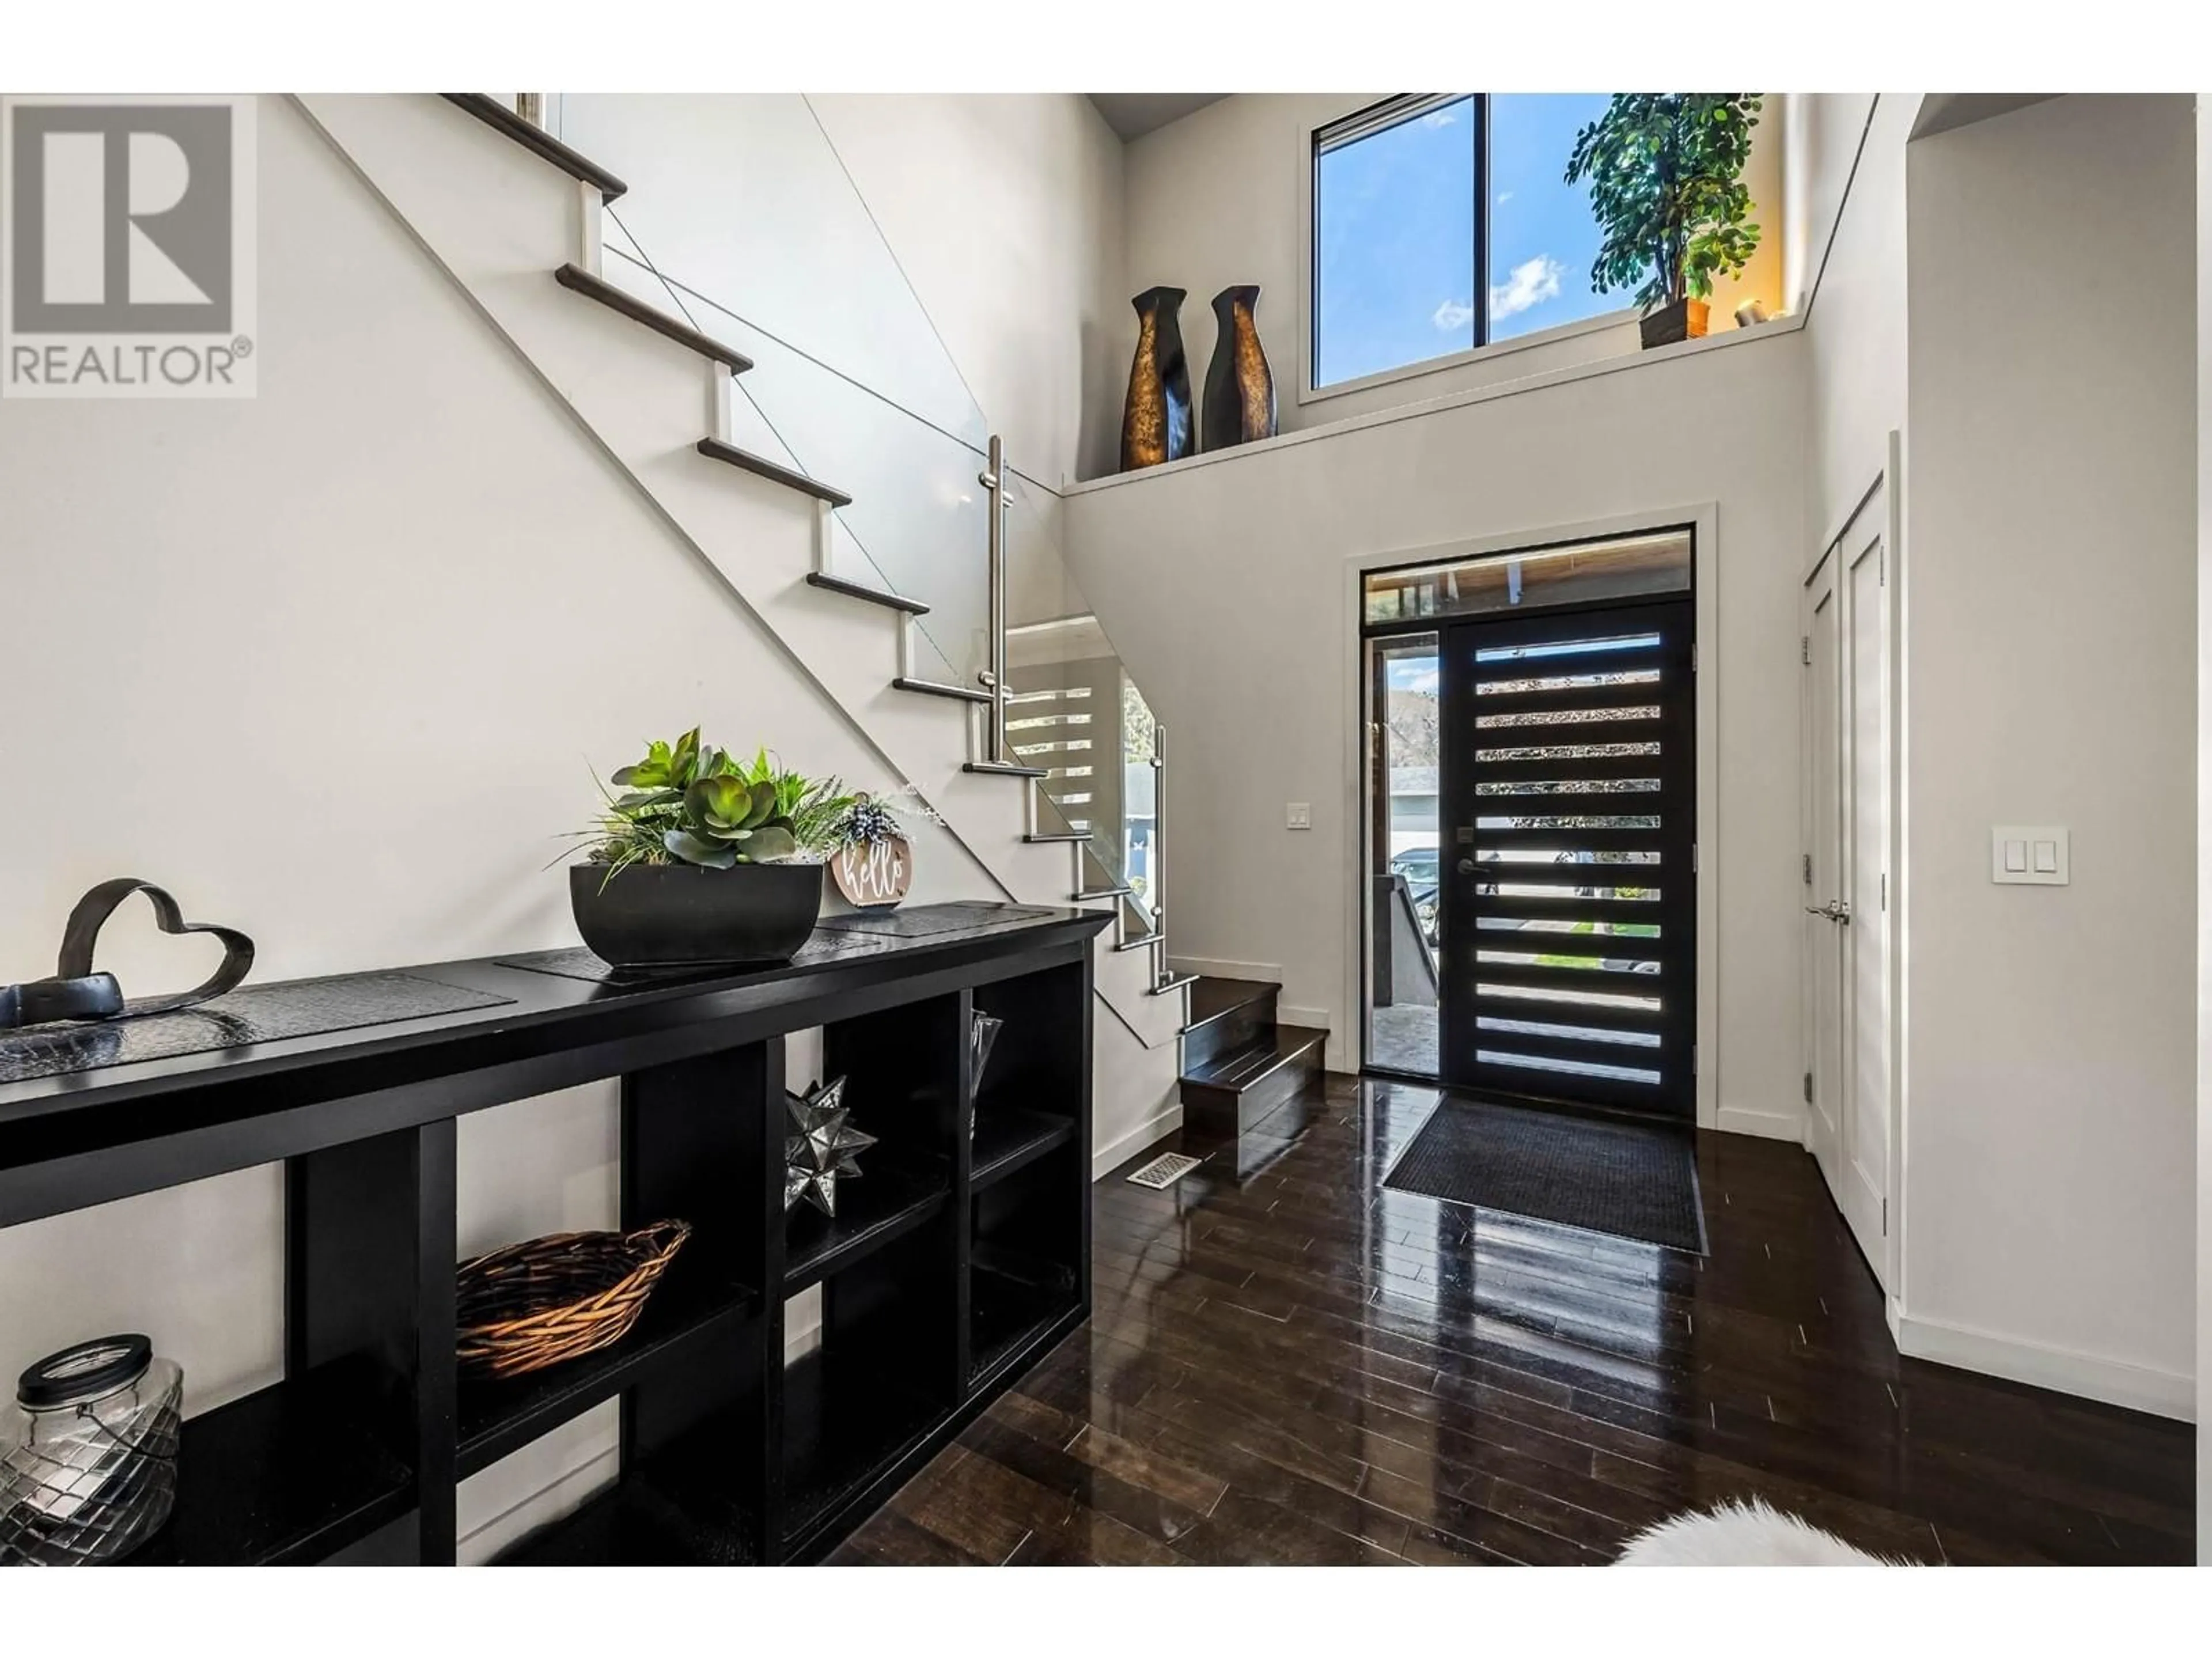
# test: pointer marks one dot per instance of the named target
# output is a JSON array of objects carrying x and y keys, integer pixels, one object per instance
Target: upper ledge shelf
[{"x": 1774, "y": 328}]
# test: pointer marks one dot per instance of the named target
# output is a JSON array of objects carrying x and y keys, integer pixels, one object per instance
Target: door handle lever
[{"x": 1835, "y": 909}]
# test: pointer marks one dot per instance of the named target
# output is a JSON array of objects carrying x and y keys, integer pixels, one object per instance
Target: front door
[{"x": 1569, "y": 792}]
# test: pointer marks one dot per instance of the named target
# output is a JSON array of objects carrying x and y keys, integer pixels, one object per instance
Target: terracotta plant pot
[
  {"x": 1685, "y": 320},
  {"x": 669, "y": 915}
]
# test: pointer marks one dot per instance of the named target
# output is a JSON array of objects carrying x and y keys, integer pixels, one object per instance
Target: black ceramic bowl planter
[{"x": 671, "y": 915}]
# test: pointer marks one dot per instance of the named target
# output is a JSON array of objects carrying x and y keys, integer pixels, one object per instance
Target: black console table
[{"x": 958, "y": 1260}]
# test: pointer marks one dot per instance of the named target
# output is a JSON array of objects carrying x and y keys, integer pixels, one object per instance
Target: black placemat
[
  {"x": 1606, "y": 1178},
  {"x": 927, "y": 919},
  {"x": 251, "y": 1014}
]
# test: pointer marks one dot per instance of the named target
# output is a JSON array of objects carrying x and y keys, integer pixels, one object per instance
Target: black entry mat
[
  {"x": 253, "y": 1013},
  {"x": 927, "y": 919},
  {"x": 1619, "y": 1178}
]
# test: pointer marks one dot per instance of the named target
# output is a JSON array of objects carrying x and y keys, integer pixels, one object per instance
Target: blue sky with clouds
[{"x": 1395, "y": 234}]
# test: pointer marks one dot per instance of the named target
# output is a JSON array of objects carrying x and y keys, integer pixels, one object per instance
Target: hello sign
[{"x": 873, "y": 874}]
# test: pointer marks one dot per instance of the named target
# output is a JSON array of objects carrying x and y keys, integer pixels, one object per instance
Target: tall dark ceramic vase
[
  {"x": 1240, "y": 391},
  {"x": 1156, "y": 418}
]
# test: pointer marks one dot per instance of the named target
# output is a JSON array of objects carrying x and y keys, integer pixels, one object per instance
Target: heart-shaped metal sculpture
[{"x": 77, "y": 992}]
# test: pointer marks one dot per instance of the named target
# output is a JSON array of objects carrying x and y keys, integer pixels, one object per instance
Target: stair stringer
[{"x": 499, "y": 224}]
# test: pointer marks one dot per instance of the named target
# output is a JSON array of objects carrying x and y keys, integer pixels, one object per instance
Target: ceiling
[{"x": 1134, "y": 114}]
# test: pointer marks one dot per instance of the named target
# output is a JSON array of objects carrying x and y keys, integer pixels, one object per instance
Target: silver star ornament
[{"x": 820, "y": 1147}]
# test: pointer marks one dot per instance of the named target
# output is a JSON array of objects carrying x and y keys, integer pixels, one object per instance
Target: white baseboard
[
  {"x": 1773, "y": 1126},
  {"x": 1216, "y": 968},
  {"x": 1158, "y": 1126},
  {"x": 1314, "y": 1019},
  {"x": 2115, "y": 1381}
]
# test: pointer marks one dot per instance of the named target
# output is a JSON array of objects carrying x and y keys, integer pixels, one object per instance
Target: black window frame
[{"x": 1364, "y": 123}]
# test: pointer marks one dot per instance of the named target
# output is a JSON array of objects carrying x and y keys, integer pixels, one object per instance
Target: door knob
[
  {"x": 1835, "y": 909},
  {"x": 1466, "y": 866}
]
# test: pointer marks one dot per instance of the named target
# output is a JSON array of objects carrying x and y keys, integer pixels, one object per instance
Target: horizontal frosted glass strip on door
[
  {"x": 1589, "y": 861},
  {"x": 1571, "y": 1067},
  {"x": 1618, "y": 567},
  {"x": 1577, "y": 929},
  {"x": 1568, "y": 787},
  {"x": 1531, "y": 890},
  {"x": 1557, "y": 820},
  {"x": 1591, "y": 999},
  {"x": 1565, "y": 683},
  {"x": 1649, "y": 711},
  {"x": 1566, "y": 647},
  {"x": 1568, "y": 1033},
  {"x": 1487, "y": 756},
  {"x": 1578, "y": 964}
]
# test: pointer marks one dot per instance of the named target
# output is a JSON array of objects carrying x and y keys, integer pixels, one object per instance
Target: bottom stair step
[{"x": 1236, "y": 1092}]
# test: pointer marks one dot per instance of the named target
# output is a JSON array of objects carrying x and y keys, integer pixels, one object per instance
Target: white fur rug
[{"x": 1739, "y": 1535}]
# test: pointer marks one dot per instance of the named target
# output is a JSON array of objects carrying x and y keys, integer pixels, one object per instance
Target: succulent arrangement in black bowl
[{"x": 703, "y": 858}]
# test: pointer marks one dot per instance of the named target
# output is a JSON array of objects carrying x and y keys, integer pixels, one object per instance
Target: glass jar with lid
[{"x": 88, "y": 1459}]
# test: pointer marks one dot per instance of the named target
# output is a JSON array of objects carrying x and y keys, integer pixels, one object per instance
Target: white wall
[
  {"x": 2050, "y": 660},
  {"x": 1005, "y": 212},
  {"x": 340, "y": 658},
  {"x": 1227, "y": 587},
  {"x": 1220, "y": 196},
  {"x": 959, "y": 255},
  {"x": 1854, "y": 245}
]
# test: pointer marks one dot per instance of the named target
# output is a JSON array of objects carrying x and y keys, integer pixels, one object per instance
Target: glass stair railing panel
[
  {"x": 1074, "y": 707},
  {"x": 742, "y": 199},
  {"x": 917, "y": 522}
]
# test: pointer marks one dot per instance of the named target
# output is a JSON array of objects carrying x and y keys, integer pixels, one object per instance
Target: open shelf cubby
[{"x": 955, "y": 1256}]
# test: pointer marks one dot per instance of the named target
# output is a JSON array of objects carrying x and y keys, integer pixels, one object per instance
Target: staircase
[
  {"x": 515, "y": 221},
  {"x": 1242, "y": 1072}
]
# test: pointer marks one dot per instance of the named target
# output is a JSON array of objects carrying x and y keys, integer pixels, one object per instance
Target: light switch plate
[
  {"x": 1297, "y": 815},
  {"x": 2030, "y": 855}
]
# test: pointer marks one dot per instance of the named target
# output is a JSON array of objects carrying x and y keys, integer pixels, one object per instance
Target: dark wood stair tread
[
  {"x": 496, "y": 115},
  {"x": 935, "y": 688},
  {"x": 715, "y": 450},
  {"x": 1050, "y": 836},
  {"x": 1004, "y": 769},
  {"x": 873, "y": 595},
  {"x": 578, "y": 280},
  {"x": 1212, "y": 997},
  {"x": 1092, "y": 893},
  {"x": 1248, "y": 1067}
]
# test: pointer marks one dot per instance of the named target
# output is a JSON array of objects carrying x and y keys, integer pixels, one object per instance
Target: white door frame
[
  {"x": 1889, "y": 484},
  {"x": 1705, "y": 519}
]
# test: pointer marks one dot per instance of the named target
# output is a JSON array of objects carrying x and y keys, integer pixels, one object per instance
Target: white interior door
[
  {"x": 1865, "y": 940},
  {"x": 1847, "y": 649},
  {"x": 1824, "y": 794}
]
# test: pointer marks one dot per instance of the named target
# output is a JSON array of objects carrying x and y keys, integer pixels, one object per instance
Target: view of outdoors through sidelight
[{"x": 1405, "y": 722}]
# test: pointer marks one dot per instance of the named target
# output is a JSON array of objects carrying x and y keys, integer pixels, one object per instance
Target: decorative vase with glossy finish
[
  {"x": 1240, "y": 389},
  {"x": 673, "y": 915},
  {"x": 1156, "y": 418}
]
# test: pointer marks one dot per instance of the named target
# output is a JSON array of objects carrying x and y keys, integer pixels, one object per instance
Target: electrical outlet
[{"x": 1298, "y": 815}]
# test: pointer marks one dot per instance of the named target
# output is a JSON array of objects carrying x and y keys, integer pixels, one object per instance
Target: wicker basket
[{"x": 537, "y": 1303}]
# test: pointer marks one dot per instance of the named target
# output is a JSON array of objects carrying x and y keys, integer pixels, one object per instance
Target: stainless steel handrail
[
  {"x": 993, "y": 481},
  {"x": 1156, "y": 878}
]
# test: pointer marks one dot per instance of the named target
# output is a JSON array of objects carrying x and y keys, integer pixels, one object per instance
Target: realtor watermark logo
[{"x": 126, "y": 248}]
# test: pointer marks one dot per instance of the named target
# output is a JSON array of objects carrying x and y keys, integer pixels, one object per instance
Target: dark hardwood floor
[{"x": 1296, "y": 1366}]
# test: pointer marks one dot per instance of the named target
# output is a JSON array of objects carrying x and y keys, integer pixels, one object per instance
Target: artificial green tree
[{"x": 1665, "y": 172}]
